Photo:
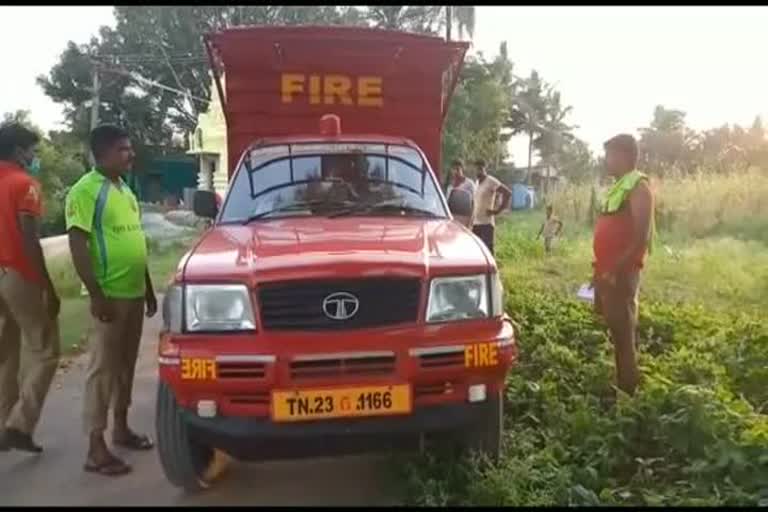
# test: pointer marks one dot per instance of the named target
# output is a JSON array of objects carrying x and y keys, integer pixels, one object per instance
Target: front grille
[
  {"x": 360, "y": 366},
  {"x": 424, "y": 390},
  {"x": 299, "y": 305},
  {"x": 449, "y": 359},
  {"x": 241, "y": 370}
]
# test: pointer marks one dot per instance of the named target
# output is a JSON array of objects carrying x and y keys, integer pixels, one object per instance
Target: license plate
[{"x": 341, "y": 403}]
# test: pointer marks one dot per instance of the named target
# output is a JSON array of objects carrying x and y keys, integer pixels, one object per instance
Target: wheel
[
  {"x": 485, "y": 437},
  {"x": 185, "y": 463}
]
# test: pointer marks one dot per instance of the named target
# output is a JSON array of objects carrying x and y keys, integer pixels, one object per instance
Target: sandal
[
  {"x": 135, "y": 442},
  {"x": 110, "y": 467}
]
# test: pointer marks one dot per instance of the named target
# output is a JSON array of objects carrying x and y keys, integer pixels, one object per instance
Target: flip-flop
[
  {"x": 135, "y": 442},
  {"x": 110, "y": 467}
]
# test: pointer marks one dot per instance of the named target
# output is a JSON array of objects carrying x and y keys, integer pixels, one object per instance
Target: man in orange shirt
[
  {"x": 623, "y": 236},
  {"x": 29, "y": 305}
]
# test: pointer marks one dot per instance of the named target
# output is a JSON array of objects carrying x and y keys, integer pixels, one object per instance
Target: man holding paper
[{"x": 623, "y": 235}]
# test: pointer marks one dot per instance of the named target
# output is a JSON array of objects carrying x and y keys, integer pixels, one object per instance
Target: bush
[{"x": 692, "y": 435}]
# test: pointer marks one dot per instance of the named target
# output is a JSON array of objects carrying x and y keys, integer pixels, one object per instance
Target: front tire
[
  {"x": 186, "y": 464},
  {"x": 485, "y": 438}
]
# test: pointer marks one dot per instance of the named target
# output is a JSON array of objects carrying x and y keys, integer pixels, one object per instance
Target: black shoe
[
  {"x": 18, "y": 440},
  {"x": 4, "y": 447}
]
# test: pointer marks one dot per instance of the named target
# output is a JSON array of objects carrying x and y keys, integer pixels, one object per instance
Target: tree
[
  {"x": 162, "y": 44},
  {"x": 121, "y": 102},
  {"x": 424, "y": 19},
  {"x": 668, "y": 143},
  {"x": 554, "y": 133},
  {"x": 576, "y": 161},
  {"x": 526, "y": 110},
  {"x": 478, "y": 111},
  {"x": 462, "y": 17}
]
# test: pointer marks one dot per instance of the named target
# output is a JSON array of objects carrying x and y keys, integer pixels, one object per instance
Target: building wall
[
  {"x": 209, "y": 142},
  {"x": 167, "y": 177}
]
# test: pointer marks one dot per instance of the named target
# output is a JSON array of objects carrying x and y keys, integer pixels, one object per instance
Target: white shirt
[
  {"x": 468, "y": 185},
  {"x": 485, "y": 199}
]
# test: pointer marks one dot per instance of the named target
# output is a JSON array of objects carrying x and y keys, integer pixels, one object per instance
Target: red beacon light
[{"x": 330, "y": 125}]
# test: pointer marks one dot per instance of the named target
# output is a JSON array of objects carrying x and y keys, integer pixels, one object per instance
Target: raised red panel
[{"x": 378, "y": 82}]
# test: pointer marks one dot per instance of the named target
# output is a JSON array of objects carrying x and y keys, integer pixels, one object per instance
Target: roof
[{"x": 351, "y": 138}]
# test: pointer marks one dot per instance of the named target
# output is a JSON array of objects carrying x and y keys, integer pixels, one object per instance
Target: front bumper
[
  {"x": 240, "y": 375},
  {"x": 257, "y": 439}
]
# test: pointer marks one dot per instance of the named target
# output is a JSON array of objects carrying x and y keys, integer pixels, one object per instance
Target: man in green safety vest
[{"x": 623, "y": 235}]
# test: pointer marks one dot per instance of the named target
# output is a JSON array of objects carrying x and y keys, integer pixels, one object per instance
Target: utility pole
[
  {"x": 530, "y": 145},
  {"x": 448, "y": 21},
  {"x": 95, "y": 100}
]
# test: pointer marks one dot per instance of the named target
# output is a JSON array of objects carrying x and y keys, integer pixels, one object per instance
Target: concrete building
[{"x": 209, "y": 144}]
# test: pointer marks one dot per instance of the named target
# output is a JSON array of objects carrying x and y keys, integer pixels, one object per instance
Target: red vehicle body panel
[
  {"x": 321, "y": 248},
  {"x": 398, "y": 84}
]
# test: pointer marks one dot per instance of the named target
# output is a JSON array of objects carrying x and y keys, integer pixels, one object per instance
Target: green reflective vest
[{"x": 619, "y": 192}]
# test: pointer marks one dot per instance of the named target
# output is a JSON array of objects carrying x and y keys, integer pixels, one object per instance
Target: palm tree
[
  {"x": 554, "y": 133},
  {"x": 527, "y": 111}
]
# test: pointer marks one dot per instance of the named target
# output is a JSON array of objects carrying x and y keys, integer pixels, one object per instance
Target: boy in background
[{"x": 551, "y": 229}]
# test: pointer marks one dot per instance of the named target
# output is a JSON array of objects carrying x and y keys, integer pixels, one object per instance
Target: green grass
[
  {"x": 74, "y": 323},
  {"x": 701, "y": 205},
  {"x": 74, "y": 320},
  {"x": 719, "y": 272}
]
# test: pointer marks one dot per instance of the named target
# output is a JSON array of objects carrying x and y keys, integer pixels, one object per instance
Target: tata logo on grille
[{"x": 340, "y": 306}]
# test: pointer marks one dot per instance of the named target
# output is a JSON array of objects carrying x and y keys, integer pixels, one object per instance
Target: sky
[{"x": 612, "y": 64}]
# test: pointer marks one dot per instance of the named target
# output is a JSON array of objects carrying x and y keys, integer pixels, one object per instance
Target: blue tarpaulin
[{"x": 523, "y": 197}]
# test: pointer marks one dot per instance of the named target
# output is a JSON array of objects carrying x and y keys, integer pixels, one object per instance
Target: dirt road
[{"x": 56, "y": 476}]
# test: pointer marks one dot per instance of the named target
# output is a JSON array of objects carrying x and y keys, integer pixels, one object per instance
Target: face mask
[{"x": 33, "y": 167}]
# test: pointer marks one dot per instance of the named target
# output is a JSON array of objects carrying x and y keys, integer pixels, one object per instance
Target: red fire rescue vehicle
[{"x": 334, "y": 304}]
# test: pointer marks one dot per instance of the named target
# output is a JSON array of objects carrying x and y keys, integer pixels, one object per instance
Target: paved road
[{"x": 56, "y": 476}]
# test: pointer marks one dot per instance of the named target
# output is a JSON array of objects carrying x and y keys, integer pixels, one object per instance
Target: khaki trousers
[
  {"x": 29, "y": 351},
  {"x": 618, "y": 306},
  {"x": 113, "y": 349}
]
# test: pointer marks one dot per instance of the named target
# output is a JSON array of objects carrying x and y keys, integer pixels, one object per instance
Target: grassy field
[
  {"x": 696, "y": 433},
  {"x": 74, "y": 320},
  {"x": 715, "y": 272}
]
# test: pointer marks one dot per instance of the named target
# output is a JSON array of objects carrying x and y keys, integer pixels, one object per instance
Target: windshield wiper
[
  {"x": 383, "y": 206},
  {"x": 299, "y": 206}
]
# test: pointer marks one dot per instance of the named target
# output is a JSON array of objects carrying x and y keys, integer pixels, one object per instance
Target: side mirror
[
  {"x": 204, "y": 204},
  {"x": 461, "y": 203}
]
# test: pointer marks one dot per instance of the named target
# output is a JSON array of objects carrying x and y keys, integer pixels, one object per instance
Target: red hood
[{"x": 318, "y": 247}]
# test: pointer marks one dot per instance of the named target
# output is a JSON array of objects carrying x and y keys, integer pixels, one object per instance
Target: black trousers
[{"x": 486, "y": 233}]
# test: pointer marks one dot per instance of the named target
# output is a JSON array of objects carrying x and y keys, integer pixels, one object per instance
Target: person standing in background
[
  {"x": 551, "y": 229},
  {"x": 109, "y": 250},
  {"x": 623, "y": 235},
  {"x": 486, "y": 199},
  {"x": 29, "y": 304},
  {"x": 460, "y": 183}
]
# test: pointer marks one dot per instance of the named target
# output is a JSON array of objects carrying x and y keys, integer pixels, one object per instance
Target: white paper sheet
[{"x": 586, "y": 293}]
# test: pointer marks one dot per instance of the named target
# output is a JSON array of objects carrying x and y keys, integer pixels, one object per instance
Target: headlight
[
  {"x": 458, "y": 298},
  {"x": 218, "y": 308}
]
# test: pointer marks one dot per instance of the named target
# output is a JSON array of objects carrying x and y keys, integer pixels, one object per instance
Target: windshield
[{"x": 330, "y": 180}]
